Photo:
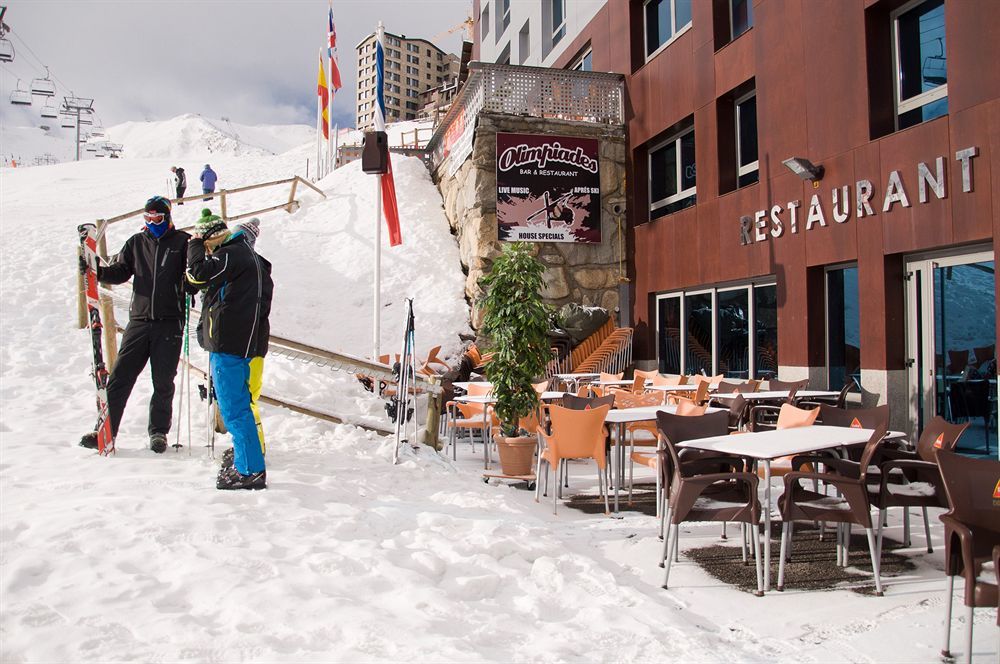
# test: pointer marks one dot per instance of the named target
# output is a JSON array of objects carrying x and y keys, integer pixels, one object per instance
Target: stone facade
[{"x": 582, "y": 273}]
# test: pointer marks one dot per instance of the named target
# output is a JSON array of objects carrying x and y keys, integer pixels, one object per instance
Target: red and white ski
[{"x": 88, "y": 243}]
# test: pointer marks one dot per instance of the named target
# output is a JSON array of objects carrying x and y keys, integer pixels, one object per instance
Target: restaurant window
[
  {"x": 669, "y": 333},
  {"x": 740, "y": 17},
  {"x": 746, "y": 139},
  {"x": 843, "y": 328},
  {"x": 672, "y": 174},
  {"x": 558, "y": 8},
  {"x": 765, "y": 314},
  {"x": 698, "y": 335},
  {"x": 732, "y": 324},
  {"x": 709, "y": 331},
  {"x": 920, "y": 60},
  {"x": 665, "y": 20}
]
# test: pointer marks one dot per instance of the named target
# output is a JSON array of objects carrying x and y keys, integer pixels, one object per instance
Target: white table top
[
  {"x": 489, "y": 398},
  {"x": 782, "y": 442},
  {"x": 464, "y": 385},
  {"x": 612, "y": 382},
  {"x": 777, "y": 394},
  {"x": 673, "y": 388},
  {"x": 578, "y": 375},
  {"x": 643, "y": 413}
]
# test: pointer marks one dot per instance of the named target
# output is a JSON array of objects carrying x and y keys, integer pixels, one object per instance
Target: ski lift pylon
[
  {"x": 20, "y": 97},
  {"x": 6, "y": 50},
  {"x": 43, "y": 87}
]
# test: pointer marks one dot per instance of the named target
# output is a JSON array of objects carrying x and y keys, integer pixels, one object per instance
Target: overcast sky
[{"x": 252, "y": 61}]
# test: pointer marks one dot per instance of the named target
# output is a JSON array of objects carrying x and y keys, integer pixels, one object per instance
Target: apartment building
[{"x": 412, "y": 66}]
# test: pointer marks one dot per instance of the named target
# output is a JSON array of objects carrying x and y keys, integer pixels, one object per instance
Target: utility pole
[{"x": 74, "y": 106}]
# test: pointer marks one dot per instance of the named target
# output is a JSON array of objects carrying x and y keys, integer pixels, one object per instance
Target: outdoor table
[
  {"x": 489, "y": 400},
  {"x": 611, "y": 383},
  {"x": 771, "y": 395},
  {"x": 575, "y": 378},
  {"x": 766, "y": 446},
  {"x": 623, "y": 416}
]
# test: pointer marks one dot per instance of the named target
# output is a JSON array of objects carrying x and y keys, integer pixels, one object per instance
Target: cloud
[{"x": 253, "y": 61}]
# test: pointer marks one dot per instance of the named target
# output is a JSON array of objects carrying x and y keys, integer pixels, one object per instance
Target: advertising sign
[{"x": 548, "y": 188}]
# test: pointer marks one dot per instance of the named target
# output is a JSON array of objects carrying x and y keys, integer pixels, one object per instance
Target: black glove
[{"x": 83, "y": 266}]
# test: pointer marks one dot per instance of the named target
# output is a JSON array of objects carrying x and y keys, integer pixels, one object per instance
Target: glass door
[{"x": 952, "y": 345}]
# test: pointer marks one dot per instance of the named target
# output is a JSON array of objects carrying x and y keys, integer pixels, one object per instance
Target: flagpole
[
  {"x": 319, "y": 127},
  {"x": 377, "y": 308}
]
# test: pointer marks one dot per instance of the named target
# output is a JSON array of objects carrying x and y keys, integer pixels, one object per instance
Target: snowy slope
[
  {"x": 345, "y": 557},
  {"x": 196, "y": 136}
]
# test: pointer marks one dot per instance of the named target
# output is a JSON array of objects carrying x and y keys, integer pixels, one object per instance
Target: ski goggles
[{"x": 154, "y": 217}]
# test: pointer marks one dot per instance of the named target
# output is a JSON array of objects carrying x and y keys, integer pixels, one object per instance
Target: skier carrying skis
[
  {"x": 180, "y": 179},
  {"x": 154, "y": 258},
  {"x": 236, "y": 336}
]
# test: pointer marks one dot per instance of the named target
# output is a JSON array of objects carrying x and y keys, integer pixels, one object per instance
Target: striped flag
[
  {"x": 324, "y": 98},
  {"x": 331, "y": 52},
  {"x": 389, "y": 206}
]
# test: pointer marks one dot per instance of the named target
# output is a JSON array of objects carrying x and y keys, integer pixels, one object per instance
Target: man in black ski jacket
[
  {"x": 235, "y": 331},
  {"x": 180, "y": 179},
  {"x": 155, "y": 259}
]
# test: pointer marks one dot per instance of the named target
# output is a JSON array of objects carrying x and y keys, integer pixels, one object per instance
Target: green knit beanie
[{"x": 209, "y": 225}]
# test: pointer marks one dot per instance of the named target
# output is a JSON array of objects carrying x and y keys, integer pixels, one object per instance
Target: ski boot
[
  {"x": 89, "y": 440},
  {"x": 230, "y": 479},
  {"x": 158, "y": 442}
]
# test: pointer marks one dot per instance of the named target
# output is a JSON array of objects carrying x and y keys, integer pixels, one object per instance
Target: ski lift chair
[
  {"x": 6, "y": 50},
  {"x": 43, "y": 86},
  {"x": 91, "y": 148},
  {"x": 49, "y": 111},
  {"x": 20, "y": 97},
  {"x": 68, "y": 123},
  {"x": 84, "y": 120}
]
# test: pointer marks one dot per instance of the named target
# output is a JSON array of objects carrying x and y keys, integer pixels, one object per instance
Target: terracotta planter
[{"x": 517, "y": 455}]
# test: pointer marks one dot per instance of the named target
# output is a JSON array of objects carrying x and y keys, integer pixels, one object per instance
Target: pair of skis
[
  {"x": 402, "y": 405},
  {"x": 88, "y": 243}
]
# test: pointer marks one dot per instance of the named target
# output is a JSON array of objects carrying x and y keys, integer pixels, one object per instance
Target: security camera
[{"x": 618, "y": 208}]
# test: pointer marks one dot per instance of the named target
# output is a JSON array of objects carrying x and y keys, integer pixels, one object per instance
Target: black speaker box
[{"x": 375, "y": 153}]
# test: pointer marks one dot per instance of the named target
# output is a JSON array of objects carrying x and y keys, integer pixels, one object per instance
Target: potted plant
[{"x": 516, "y": 325}]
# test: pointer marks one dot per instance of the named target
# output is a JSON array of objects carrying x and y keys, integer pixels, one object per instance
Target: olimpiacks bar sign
[
  {"x": 780, "y": 219},
  {"x": 548, "y": 188}
]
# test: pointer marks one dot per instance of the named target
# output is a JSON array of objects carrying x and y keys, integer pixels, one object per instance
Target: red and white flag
[{"x": 389, "y": 207}]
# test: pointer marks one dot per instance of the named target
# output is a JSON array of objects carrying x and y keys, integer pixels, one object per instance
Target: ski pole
[{"x": 187, "y": 363}]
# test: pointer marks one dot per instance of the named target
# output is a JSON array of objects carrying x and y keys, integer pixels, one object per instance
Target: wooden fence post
[
  {"x": 110, "y": 332},
  {"x": 431, "y": 438},
  {"x": 291, "y": 196},
  {"x": 223, "y": 204}
]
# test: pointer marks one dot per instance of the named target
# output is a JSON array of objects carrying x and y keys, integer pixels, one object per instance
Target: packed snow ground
[{"x": 345, "y": 557}]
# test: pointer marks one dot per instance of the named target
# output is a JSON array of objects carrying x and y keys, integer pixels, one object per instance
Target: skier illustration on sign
[
  {"x": 154, "y": 258},
  {"x": 181, "y": 181},
  {"x": 208, "y": 180},
  {"x": 235, "y": 332}
]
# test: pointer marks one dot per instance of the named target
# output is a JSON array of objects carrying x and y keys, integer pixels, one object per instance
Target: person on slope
[
  {"x": 154, "y": 258},
  {"x": 235, "y": 332},
  {"x": 181, "y": 181},
  {"x": 208, "y": 180}
]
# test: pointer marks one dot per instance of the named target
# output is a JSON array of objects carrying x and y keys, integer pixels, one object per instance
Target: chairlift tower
[{"x": 76, "y": 106}]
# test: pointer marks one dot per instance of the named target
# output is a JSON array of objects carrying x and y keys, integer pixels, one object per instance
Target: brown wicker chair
[
  {"x": 703, "y": 486},
  {"x": 921, "y": 484},
  {"x": 851, "y": 507},
  {"x": 971, "y": 535}
]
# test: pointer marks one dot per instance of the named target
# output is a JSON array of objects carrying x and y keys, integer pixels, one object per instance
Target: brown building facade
[{"x": 878, "y": 270}]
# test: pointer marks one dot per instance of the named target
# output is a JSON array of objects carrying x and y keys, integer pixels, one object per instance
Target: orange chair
[
  {"x": 479, "y": 389},
  {"x": 791, "y": 417},
  {"x": 664, "y": 381},
  {"x": 684, "y": 409},
  {"x": 609, "y": 377},
  {"x": 576, "y": 434},
  {"x": 646, "y": 375},
  {"x": 699, "y": 398},
  {"x": 690, "y": 409},
  {"x": 541, "y": 387}
]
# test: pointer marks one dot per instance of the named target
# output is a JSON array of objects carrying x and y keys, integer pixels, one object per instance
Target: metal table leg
[
  {"x": 767, "y": 524},
  {"x": 486, "y": 437},
  {"x": 616, "y": 469}
]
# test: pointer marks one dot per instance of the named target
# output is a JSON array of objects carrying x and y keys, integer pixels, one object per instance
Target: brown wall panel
[
  {"x": 706, "y": 259},
  {"x": 835, "y": 81},
  {"x": 922, "y": 225},
  {"x": 734, "y": 259},
  {"x": 971, "y": 212},
  {"x": 836, "y": 242},
  {"x": 704, "y": 76},
  {"x": 668, "y": 87},
  {"x": 972, "y": 31},
  {"x": 734, "y": 63},
  {"x": 780, "y": 79}
]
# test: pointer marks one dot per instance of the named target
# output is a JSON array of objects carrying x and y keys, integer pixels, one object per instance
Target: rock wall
[{"x": 583, "y": 273}]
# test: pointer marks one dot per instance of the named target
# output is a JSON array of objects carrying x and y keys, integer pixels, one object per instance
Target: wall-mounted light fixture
[{"x": 805, "y": 169}]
